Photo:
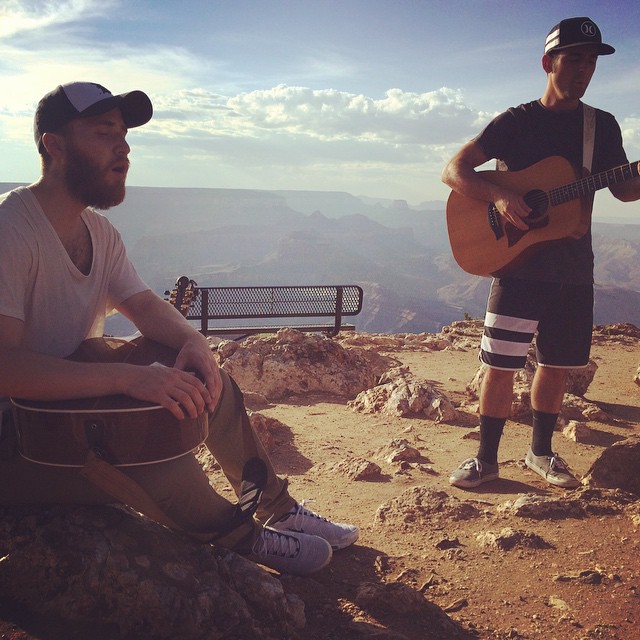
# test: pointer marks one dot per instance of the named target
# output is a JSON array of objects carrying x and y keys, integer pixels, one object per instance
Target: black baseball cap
[
  {"x": 85, "y": 99},
  {"x": 573, "y": 32}
]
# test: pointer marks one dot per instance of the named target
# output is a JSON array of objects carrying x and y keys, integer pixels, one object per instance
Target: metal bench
[{"x": 214, "y": 307}]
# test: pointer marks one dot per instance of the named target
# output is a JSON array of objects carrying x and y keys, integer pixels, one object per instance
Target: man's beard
[{"x": 85, "y": 181}]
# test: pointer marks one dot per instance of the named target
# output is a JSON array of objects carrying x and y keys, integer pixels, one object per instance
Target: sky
[{"x": 366, "y": 96}]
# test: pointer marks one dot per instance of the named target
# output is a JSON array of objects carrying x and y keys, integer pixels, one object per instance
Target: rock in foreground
[{"x": 108, "y": 566}]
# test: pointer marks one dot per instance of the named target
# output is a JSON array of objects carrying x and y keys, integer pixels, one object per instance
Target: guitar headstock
[{"x": 183, "y": 295}]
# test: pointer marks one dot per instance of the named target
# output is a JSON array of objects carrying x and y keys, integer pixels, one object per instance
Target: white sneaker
[
  {"x": 553, "y": 469},
  {"x": 302, "y": 520},
  {"x": 473, "y": 472},
  {"x": 295, "y": 553}
]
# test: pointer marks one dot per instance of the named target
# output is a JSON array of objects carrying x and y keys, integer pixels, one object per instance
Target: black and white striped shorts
[{"x": 559, "y": 316}]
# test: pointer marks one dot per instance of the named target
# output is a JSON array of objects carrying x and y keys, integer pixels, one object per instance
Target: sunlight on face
[
  {"x": 85, "y": 179},
  {"x": 96, "y": 160}
]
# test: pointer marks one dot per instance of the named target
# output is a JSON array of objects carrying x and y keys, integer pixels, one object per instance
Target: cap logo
[{"x": 589, "y": 29}]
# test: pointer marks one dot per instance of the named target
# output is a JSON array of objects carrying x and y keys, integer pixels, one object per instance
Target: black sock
[
  {"x": 490, "y": 434},
  {"x": 544, "y": 425}
]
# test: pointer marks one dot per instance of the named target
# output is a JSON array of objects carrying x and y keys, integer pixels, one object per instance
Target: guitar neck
[
  {"x": 593, "y": 183},
  {"x": 183, "y": 295}
]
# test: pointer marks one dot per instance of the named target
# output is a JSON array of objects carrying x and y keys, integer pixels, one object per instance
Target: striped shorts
[{"x": 559, "y": 316}]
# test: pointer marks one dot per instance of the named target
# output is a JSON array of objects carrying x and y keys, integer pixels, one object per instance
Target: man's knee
[
  {"x": 499, "y": 378},
  {"x": 231, "y": 399}
]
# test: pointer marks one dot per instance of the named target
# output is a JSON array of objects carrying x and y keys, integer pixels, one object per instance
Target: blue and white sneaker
[
  {"x": 289, "y": 552},
  {"x": 303, "y": 520}
]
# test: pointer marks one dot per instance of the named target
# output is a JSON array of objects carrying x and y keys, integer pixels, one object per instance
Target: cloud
[
  {"x": 395, "y": 144},
  {"x": 324, "y": 116},
  {"x": 327, "y": 114},
  {"x": 204, "y": 134},
  {"x": 18, "y": 17},
  {"x": 631, "y": 136}
]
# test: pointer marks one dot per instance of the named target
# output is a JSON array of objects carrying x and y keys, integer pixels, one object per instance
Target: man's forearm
[{"x": 30, "y": 375}]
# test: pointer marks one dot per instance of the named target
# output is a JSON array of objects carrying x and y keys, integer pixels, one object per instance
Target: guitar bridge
[{"x": 495, "y": 221}]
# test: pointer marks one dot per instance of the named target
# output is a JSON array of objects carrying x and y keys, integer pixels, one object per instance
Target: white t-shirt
[{"x": 40, "y": 285}]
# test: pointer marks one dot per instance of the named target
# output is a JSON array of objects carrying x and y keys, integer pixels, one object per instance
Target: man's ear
[
  {"x": 53, "y": 144},
  {"x": 547, "y": 63}
]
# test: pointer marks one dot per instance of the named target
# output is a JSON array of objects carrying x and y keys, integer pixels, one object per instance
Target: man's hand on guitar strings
[{"x": 513, "y": 209}]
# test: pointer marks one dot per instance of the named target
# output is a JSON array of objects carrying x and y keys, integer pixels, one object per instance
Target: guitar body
[
  {"x": 120, "y": 429},
  {"x": 484, "y": 244}
]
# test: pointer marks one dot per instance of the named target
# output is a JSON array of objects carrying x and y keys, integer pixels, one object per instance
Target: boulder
[
  {"x": 578, "y": 504},
  {"x": 111, "y": 567},
  {"x": 292, "y": 362},
  {"x": 399, "y": 394},
  {"x": 617, "y": 467},
  {"x": 420, "y": 507}
]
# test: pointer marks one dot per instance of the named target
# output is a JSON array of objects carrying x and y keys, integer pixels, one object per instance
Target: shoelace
[
  {"x": 272, "y": 543},
  {"x": 301, "y": 513},
  {"x": 558, "y": 464},
  {"x": 471, "y": 463}
]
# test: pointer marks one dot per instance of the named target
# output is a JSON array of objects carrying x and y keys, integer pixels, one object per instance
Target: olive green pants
[{"x": 179, "y": 487}]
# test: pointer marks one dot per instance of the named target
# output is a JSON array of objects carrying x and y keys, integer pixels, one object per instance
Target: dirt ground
[
  {"x": 493, "y": 594},
  {"x": 526, "y": 593}
]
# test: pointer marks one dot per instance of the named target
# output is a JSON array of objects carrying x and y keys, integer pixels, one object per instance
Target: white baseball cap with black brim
[
  {"x": 574, "y": 32},
  {"x": 74, "y": 100}
]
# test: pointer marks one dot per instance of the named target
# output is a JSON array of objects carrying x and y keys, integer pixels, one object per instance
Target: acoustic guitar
[
  {"x": 484, "y": 244},
  {"x": 119, "y": 429}
]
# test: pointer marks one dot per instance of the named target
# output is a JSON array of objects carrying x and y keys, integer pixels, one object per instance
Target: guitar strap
[
  {"x": 127, "y": 491},
  {"x": 588, "y": 137}
]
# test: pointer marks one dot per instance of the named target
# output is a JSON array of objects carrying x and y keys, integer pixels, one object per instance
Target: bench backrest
[{"x": 294, "y": 301}]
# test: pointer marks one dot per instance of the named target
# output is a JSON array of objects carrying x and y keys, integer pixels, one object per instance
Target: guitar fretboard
[{"x": 587, "y": 185}]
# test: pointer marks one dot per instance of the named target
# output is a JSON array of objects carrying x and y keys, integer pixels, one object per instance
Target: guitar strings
[{"x": 584, "y": 186}]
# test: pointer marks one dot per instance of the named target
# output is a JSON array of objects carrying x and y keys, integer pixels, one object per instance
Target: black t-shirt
[{"x": 524, "y": 135}]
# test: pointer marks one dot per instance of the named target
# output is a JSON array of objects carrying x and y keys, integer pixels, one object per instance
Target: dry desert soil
[{"x": 568, "y": 578}]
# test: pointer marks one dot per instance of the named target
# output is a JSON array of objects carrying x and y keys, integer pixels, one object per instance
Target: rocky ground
[{"x": 555, "y": 565}]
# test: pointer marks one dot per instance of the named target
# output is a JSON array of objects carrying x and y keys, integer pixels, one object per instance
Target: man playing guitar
[{"x": 549, "y": 293}]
